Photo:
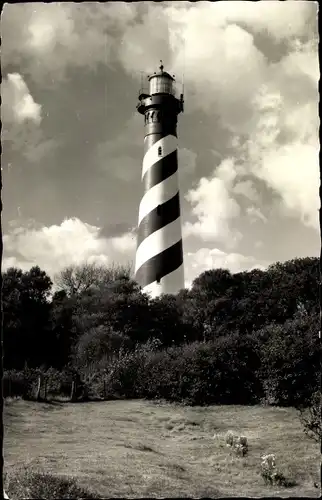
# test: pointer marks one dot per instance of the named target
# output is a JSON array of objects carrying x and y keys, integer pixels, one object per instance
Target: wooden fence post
[
  {"x": 74, "y": 390},
  {"x": 38, "y": 388},
  {"x": 45, "y": 389}
]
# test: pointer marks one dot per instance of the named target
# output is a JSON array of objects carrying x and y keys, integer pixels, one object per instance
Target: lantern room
[{"x": 161, "y": 83}]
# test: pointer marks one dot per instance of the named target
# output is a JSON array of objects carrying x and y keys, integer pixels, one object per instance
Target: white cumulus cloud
[
  {"x": 51, "y": 38},
  {"x": 214, "y": 207},
  {"x": 271, "y": 108},
  {"x": 284, "y": 147},
  {"x": 55, "y": 247},
  {"x": 22, "y": 119},
  {"x": 213, "y": 258},
  {"x": 247, "y": 189},
  {"x": 18, "y": 104}
]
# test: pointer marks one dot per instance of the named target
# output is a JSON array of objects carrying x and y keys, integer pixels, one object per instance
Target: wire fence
[{"x": 47, "y": 387}]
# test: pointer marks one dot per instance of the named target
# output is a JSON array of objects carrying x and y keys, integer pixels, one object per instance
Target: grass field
[{"x": 145, "y": 449}]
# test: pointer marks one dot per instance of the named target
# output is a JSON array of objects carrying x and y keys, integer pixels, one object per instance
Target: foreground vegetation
[
  {"x": 153, "y": 449},
  {"x": 24, "y": 482}
]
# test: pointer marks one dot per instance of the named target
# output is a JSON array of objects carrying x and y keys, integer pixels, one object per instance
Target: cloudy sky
[{"x": 73, "y": 142}]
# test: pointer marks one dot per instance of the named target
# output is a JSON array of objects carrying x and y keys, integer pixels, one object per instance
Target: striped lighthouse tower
[{"x": 159, "y": 256}]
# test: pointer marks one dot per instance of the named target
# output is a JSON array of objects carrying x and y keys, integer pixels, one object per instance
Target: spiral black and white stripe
[{"x": 159, "y": 255}]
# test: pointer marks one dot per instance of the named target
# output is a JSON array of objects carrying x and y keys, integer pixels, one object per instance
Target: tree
[
  {"x": 166, "y": 321},
  {"x": 220, "y": 302},
  {"x": 76, "y": 279},
  {"x": 208, "y": 305},
  {"x": 61, "y": 326},
  {"x": 213, "y": 283},
  {"x": 26, "y": 316},
  {"x": 119, "y": 305},
  {"x": 298, "y": 281}
]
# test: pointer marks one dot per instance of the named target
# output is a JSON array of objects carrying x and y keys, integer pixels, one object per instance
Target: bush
[
  {"x": 97, "y": 343},
  {"x": 195, "y": 374},
  {"x": 237, "y": 443},
  {"x": 94, "y": 384},
  {"x": 241, "y": 446},
  {"x": 21, "y": 383},
  {"x": 122, "y": 377},
  {"x": 56, "y": 383},
  {"x": 271, "y": 474},
  {"x": 229, "y": 438},
  {"x": 290, "y": 361},
  {"x": 14, "y": 384},
  {"x": 310, "y": 418},
  {"x": 26, "y": 483}
]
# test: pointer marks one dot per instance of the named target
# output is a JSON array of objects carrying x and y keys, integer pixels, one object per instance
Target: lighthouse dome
[{"x": 161, "y": 83}]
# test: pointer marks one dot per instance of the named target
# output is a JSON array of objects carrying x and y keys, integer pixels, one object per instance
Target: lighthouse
[{"x": 159, "y": 255}]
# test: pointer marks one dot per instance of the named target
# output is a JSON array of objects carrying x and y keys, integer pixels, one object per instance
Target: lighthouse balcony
[{"x": 143, "y": 94}]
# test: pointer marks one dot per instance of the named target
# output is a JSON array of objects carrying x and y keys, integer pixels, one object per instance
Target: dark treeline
[{"x": 238, "y": 338}]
